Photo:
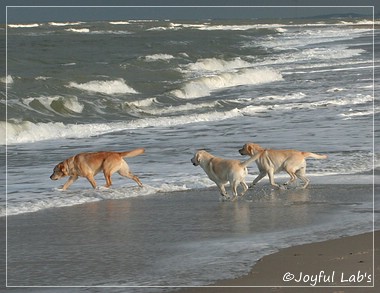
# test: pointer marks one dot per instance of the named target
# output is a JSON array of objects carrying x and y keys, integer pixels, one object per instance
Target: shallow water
[
  {"x": 174, "y": 87},
  {"x": 176, "y": 239}
]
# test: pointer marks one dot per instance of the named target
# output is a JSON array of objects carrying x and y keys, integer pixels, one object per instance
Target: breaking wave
[
  {"x": 203, "y": 86},
  {"x": 111, "y": 87}
]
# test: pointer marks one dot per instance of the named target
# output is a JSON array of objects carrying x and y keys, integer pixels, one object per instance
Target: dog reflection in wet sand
[
  {"x": 272, "y": 161},
  {"x": 223, "y": 171},
  {"x": 89, "y": 164}
]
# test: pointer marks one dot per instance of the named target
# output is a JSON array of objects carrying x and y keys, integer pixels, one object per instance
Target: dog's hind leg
[
  {"x": 245, "y": 188},
  {"x": 234, "y": 186},
  {"x": 125, "y": 172},
  {"x": 301, "y": 174},
  {"x": 292, "y": 175},
  {"x": 222, "y": 189}
]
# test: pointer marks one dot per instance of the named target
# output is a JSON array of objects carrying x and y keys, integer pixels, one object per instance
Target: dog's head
[
  {"x": 59, "y": 171},
  {"x": 196, "y": 160},
  {"x": 250, "y": 149}
]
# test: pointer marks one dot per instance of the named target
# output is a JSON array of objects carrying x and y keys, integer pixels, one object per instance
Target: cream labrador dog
[
  {"x": 89, "y": 164},
  {"x": 222, "y": 171},
  {"x": 272, "y": 161}
]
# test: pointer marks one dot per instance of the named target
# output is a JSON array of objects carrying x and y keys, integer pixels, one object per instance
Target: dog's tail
[
  {"x": 314, "y": 156},
  {"x": 133, "y": 153},
  {"x": 250, "y": 160}
]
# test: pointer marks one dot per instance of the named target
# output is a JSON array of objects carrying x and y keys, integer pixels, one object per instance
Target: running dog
[
  {"x": 89, "y": 164},
  {"x": 222, "y": 171},
  {"x": 272, "y": 161}
]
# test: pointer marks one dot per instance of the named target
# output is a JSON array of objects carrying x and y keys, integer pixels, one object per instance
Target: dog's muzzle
[{"x": 195, "y": 163}]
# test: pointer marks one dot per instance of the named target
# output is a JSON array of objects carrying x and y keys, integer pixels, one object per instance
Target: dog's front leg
[
  {"x": 91, "y": 179},
  {"x": 71, "y": 180},
  {"x": 271, "y": 180}
]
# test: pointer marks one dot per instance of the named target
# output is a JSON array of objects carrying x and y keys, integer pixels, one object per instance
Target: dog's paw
[{"x": 224, "y": 198}]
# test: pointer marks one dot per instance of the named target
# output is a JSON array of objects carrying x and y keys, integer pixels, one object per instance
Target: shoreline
[
  {"x": 345, "y": 262},
  {"x": 131, "y": 238}
]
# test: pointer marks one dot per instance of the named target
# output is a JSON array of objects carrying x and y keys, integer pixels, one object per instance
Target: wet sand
[{"x": 340, "y": 265}]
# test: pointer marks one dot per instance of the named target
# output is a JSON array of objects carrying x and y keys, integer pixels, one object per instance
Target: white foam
[
  {"x": 23, "y": 25},
  {"x": 351, "y": 114},
  {"x": 142, "y": 103},
  {"x": 7, "y": 79},
  {"x": 119, "y": 22},
  {"x": 42, "y": 77},
  {"x": 78, "y": 30},
  {"x": 74, "y": 197},
  {"x": 64, "y": 23},
  {"x": 203, "y": 86},
  {"x": 156, "y": 57},
  {"x": 110, "y": 87}
]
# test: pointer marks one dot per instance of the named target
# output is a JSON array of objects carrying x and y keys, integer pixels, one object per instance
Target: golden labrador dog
[
  {"x": 273, "y": 161},
  {"x": 222, "y": 171},
  {"x": 89, "y": 164}
]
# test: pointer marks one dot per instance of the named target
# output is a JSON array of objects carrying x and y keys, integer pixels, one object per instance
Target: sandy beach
[{"x": 340, "y": 265}]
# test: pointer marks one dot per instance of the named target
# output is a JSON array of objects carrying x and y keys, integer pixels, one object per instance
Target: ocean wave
[
  {"x": 7, "y": 79},
  {"x": 64, "y": 23},
  {"x": 359, "y": 99},
  {"x": 215, "y": 64},
  {"x": 157, "y": 57},
  {"x": 30, "y": 25},
  {"x": 27, "y": 132},
  {"x": 142, "y": 103},
  {"x": 57, "y": 104},
  {"x": 78, "y": 30},
  {"x": 42, "y": 78},
  {"x": 226, "y": 27},
  {"x": 110, "y": 87},
  {"x": 203, "y": 86},
  {"x": 217, "y": 27},
  {"x": 179, "y": 109},
  {"x": 353, "y": 114},
  {"x": 119, "y": 22}
]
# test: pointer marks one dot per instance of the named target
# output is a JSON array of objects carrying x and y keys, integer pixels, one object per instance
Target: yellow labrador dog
[
  {"x": 89, "y": 164},
  {"x": 222, "y": 171},
  {"x": 273, "y": 161}
]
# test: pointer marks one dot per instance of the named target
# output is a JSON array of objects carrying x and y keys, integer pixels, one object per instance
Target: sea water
[{"x": 174, "y": 87}]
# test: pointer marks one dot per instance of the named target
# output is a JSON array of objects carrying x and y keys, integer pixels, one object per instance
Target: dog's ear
[
  {"x": 197, "y": 156},
  {"x": 63, "y": 169},
  {"x": 250, "y": 149}
]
